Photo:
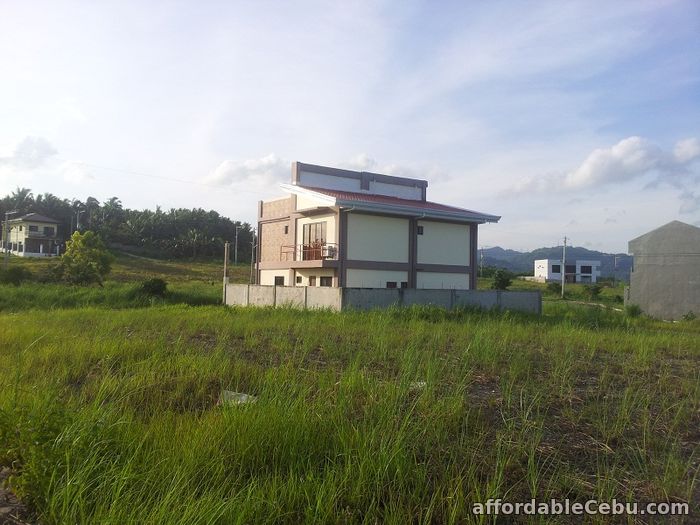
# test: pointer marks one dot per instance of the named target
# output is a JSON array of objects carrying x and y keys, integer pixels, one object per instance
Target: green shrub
[
  {"x": 592, "y": 291},
  {"x": 633, "y": 310},
  {"x": 155, "y": 287},
  {"x": 690, "y": 316},
  {"x": 501, "y": 280},
  {"x": 86, "y": 259},
  {"x": 554, "y": 288},
  {"x": 15, "y": 275}
]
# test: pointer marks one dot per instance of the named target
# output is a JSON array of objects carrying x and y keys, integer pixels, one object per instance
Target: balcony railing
[
  {"x": 40, "y": 235},
  {"x": 315, "y": 251}
]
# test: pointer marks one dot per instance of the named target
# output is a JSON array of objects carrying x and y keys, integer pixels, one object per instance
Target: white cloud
[
  {"x": 30, "y": 153},
  {"x": 630, "y": 159},
  {"x": 261, "y": 173},
  {"x": 687, "y": 150}
]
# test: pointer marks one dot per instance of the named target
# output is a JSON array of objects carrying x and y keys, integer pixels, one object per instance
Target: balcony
[
  {"x": 315, "y": 251},
  {"x": 41, "y": 235}
]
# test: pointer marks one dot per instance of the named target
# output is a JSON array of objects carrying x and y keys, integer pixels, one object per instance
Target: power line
[{"x": 160, "y": 177}]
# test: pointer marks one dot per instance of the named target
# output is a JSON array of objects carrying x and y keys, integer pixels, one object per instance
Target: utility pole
[
  {"x": 253, "y": 246},
  {"x": 235, "y": 248},
  {"x": 563, "y": 268},
  {"x": 6, "y": 237},
  {"x": 226, "y": 255},
  {"x": 77, "y": 220}
]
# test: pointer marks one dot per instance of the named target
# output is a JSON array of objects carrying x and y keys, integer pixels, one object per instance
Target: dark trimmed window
[
  {"x": 33, "y": 228},
  {"x": 298, "y": 279},
  {"x": 286, "y": 230},
  {"x": 570, "y": 268},
  {"x": 326, "y": 281},
  {"x": 586, "y": 269},
  {"x": 279, "y": 280},
  {"x": 404, "y": 284},
  {"x": 48, "y": 230},
  {"x": 419, "y": 230},
  {"x": 556, "y": 268},
  {"x": 391, "y": 284}
]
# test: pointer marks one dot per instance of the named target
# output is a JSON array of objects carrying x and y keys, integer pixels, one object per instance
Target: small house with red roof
[{"x": 355, "y": 229}]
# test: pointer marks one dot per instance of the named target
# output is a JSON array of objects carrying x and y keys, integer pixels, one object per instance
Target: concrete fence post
[{"x": 306, "y": 297}]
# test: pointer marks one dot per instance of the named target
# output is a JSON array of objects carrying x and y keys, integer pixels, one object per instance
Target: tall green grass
[{"x": 397, "y": 416}]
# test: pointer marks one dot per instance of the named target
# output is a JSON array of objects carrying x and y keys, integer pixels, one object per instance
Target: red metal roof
[{"x": 386, "y": 200}]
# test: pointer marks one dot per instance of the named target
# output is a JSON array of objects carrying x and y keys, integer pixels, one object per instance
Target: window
[
  {"x": 20, "y": 227},
  {"x": 298, "y": 279},
  {"x": 326, "y": 281},
  {"x": 21, "y": 247},
  {"x": 404, "y": 284},
  {"x": 570, "y": 268},
  {"x": 391, "y": 284},
  {"x": 279, "y": 280},
  {"x": 586, "y": 269},
  {"x": 48, "y": 230},
  {"x": 286, "y": 230},
  {"x": 314, "y": 232},
  {"x": 312, "y": 280},
  {"x": 33, "y": 228},
  {"x": 313, "y": 238},
  {"x": 419, "y": 230},
  {"x": 556, "y": 268}
]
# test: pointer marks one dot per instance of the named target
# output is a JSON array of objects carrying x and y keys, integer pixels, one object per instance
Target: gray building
[{"x": 665, "y": 279}]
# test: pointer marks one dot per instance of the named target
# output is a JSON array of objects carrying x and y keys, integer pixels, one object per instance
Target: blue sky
[{"x": 566, "y": 118}]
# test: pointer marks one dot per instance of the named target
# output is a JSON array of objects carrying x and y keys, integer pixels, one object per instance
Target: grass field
[
  {"x": 380, "y": 417},
  {"x": 189, "y": 282}
]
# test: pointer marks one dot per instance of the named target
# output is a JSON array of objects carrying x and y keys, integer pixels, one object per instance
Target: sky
[{"x": 577, "y": 119}]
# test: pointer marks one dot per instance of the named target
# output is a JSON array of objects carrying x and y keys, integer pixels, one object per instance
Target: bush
[
  {"x": 592, "y": 291},
  {"x": 15, "y": 275},
  {"x": 86, "y": 259},
  {"x": 154, "y": 287},
  {"x": 690, "y": 316},
  {"x": 633, "y": 310},
  {"x": 501, "y": 280},
  {"x": 554, "y": 288}
]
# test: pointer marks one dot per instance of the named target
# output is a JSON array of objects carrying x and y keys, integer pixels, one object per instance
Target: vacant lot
[{"x": 381, "y": 417}]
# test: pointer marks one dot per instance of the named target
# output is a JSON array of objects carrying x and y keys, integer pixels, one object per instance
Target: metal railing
[
  {"x": 40, "y": 234},
  {"x": 315, "y": 251}
]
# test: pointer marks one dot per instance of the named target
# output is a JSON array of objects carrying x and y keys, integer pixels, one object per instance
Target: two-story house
[
  {"x": 580, "y": 271},
  {"x": 355, "y": 229},
  {"x": 32, "y": 235}
]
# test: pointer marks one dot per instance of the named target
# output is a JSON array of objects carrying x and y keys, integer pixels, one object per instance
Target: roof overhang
[{"x": 392, "y": 209}]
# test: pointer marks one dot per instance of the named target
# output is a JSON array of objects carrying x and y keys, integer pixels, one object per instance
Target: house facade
[
  {"x": 580, "y": 271},
  {"x": 665, "y": 278},
  {"x": 32, "y": 235},
  {"x": 343, "y": 228}
]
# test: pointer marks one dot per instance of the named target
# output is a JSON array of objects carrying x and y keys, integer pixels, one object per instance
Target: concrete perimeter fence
[{"x": 369, "y": 298}]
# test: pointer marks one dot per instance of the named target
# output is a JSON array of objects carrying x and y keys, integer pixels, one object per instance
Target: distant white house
[{"x": 580, "y": 271}]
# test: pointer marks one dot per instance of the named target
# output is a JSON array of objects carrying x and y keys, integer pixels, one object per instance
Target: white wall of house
[
  {"x": 331, "y": 182},
  {"x": 356, "y": 278},
  {"x": 305, "y": 202},
  {"x": 439, "y": 281},
  {"x": 443, "y": 243},
  {"x": 330, "y": 227},
  {"x": 305, "y": 273},
  {"x": 545, "y": 270},
  {"x": 395, "y": 190},
  {"x": 377, "y": 238},
  {"x": 267, "y": 277}
]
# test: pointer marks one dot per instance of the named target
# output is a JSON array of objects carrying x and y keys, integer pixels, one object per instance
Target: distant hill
[{"x": 523, "y": 262}]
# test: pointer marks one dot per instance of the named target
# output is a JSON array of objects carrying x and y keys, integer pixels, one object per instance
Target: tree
[
  {"x": 86, "y": 259},
  {"x": 501, "y": 280}
]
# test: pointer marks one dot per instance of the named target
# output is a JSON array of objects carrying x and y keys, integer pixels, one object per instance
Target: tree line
[{"x": 175, "y": 233}]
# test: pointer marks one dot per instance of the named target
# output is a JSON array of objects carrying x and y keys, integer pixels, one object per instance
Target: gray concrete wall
[
  {"x": 290, "y": 296},
  {"x": 665, "y": 280},
  {"x": 324, "y": 297},
  {"x": 369, "y": 298}
]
